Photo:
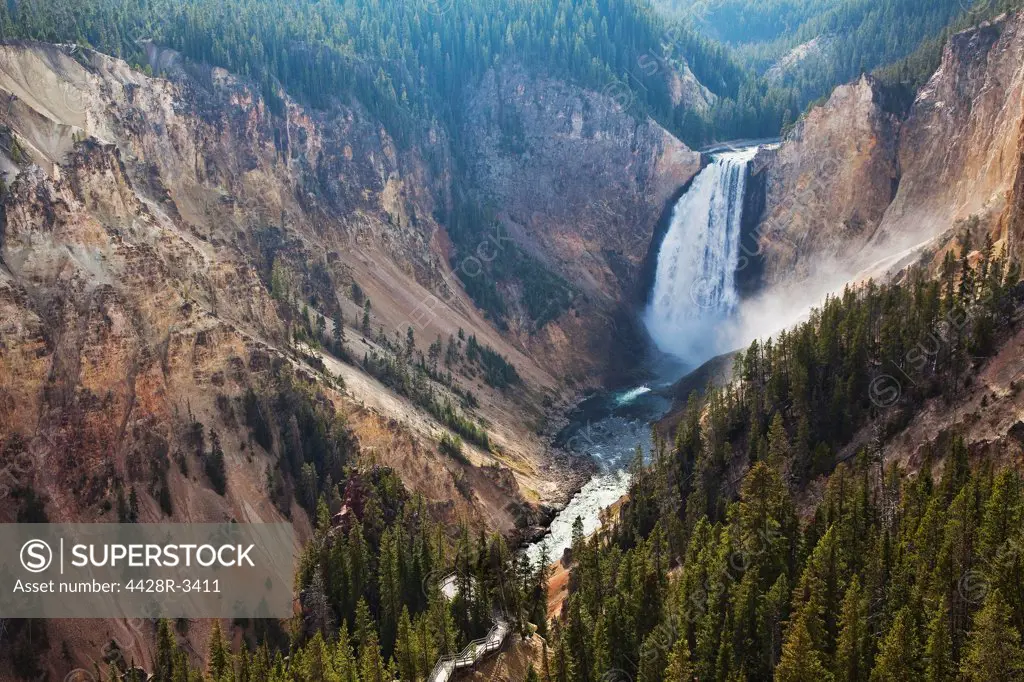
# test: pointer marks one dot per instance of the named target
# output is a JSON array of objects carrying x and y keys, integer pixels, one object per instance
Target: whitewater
[
  {"x": 692, "y": 303},
  {"x": 694, "y": 291}
]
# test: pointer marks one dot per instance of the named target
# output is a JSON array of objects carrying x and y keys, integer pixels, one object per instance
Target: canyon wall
[
  {"x": 162, "y": 235},
  {"x": 854, "y": 190},
  {"x": 829, "y": 183},
  {"x": 162, "y": 239},
  {"x": 580, "y": 182},
  {"x": 575, "y": 174},
  {"x": 959, "y": 149}
]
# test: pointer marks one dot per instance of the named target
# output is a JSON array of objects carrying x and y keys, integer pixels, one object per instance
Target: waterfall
[{"x": 694, "y": 287}]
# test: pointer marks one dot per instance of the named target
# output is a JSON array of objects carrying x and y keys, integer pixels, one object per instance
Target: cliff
[
  {"x": 853, "y": 190},
  {"x": 163, "y": 236},
  {"x": 580, "y": 181},
  {"x": 164, "y": 240},
  {"x": 829, "y": 183},
  {"x": 959, "y": 149}
]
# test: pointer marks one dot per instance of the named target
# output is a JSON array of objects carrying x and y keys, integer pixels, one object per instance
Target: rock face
[
  {"x": 158, "y": 235},
  {"x": 580, "y": 183},
  {"x": 576, "y": 174},
  {"x": 829, "y": 183},
  {"x": 687, "y": 90},
  {"x": 960, "y": 146},
  {"x": 852, "y": 181},
  {"x": 814, "y": 53},
  {"x": 153, "y": 229},
  {"x": 1014, "y": 218},
  {"x": 141, "y": 220}
]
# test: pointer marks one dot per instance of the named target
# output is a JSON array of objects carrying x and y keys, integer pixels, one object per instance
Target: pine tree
[
  {"x": 679, "y": 668},
  {"x": 1002, "y": 514},
  {"x": 653, "y": 659},
  {"x": 389, "y": 589},
  {"x": 371, "y": 663},
  {"x": 800, "y": 661},
  {"x": 405, "y": 647},
  {"x": 215, "y": 468},
  {"x": 358, "y": 564},
  {"x": 767, "y": 524},
  {"x": 442, "y": 625},
  {"x": 545, "y": 660},
  {"x": 315, "y": 603},
  {"x": 900, "y": 651},
  {"x": 994, "y": 652},
  {"x": 410, "y": 343},
  {"x": 219, "y": 657},
  {"x": 166, "y": 646},
  {"x": 563, "y": 664},
  {"x": 778, "y": 442},
  {"x": 344, "y": 658},
  {"x": 601, "y": 648},
  {"x": 771, "y": 614},
  {"x": 966, "y": 273},
  {"x": 243, "y": 665},
  {"x": 539, "y": 593},
  {"x": 851, "y": 649},
  {"x": 957, "y": 469},
  {"x": 339, "y": 328},
  {"x": 939, "y": 664},
  {"x": 803, "y": 457},
  {"x": 817, "y": 594},
  {"x": 313, "y": 661}
]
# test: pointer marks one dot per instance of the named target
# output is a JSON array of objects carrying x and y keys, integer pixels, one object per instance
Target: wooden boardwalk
[{"x": 475, "y": 650}]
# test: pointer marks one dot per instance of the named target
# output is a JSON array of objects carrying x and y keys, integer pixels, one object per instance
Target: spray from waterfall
[{"x": 694, "y": 293}]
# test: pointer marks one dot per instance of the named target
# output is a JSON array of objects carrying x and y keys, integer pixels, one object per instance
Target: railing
[{"x": 474, "y": 651}]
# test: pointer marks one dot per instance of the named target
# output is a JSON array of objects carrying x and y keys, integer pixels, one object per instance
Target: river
[
  {"x": 693, "y": 299},
  {"x": 606, "y": 427}
]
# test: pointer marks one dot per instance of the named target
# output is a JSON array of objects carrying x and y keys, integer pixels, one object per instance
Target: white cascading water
[
  {"x": 694, "y": 294},
  {"x": 694, "y": 286}
]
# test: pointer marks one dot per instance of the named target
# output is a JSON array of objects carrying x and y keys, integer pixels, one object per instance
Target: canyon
[
  {"x": 164, "y": 236},
  {"x": 140, "y": 239}
]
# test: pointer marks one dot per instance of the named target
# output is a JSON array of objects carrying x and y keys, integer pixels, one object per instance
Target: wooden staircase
[{"x": 475, "y": 650}]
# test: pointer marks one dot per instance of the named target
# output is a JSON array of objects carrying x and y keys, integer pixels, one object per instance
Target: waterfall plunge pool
[{"x": 693, "y": 298}]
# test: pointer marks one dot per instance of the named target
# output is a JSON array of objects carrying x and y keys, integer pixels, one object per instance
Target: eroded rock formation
[{"x": 853, "y": 190}]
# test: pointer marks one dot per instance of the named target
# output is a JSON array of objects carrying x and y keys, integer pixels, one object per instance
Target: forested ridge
[
  {"x": 410, "y": 62},
  {"x": 854, "y": 36},
  {"x": 713, "y": 571},
  {"x": 407, "y": 61},
  {"x": 878, "y": 31}
]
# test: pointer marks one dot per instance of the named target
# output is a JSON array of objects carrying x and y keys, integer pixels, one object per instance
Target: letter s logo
[{"x": 36, "y": 556}]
